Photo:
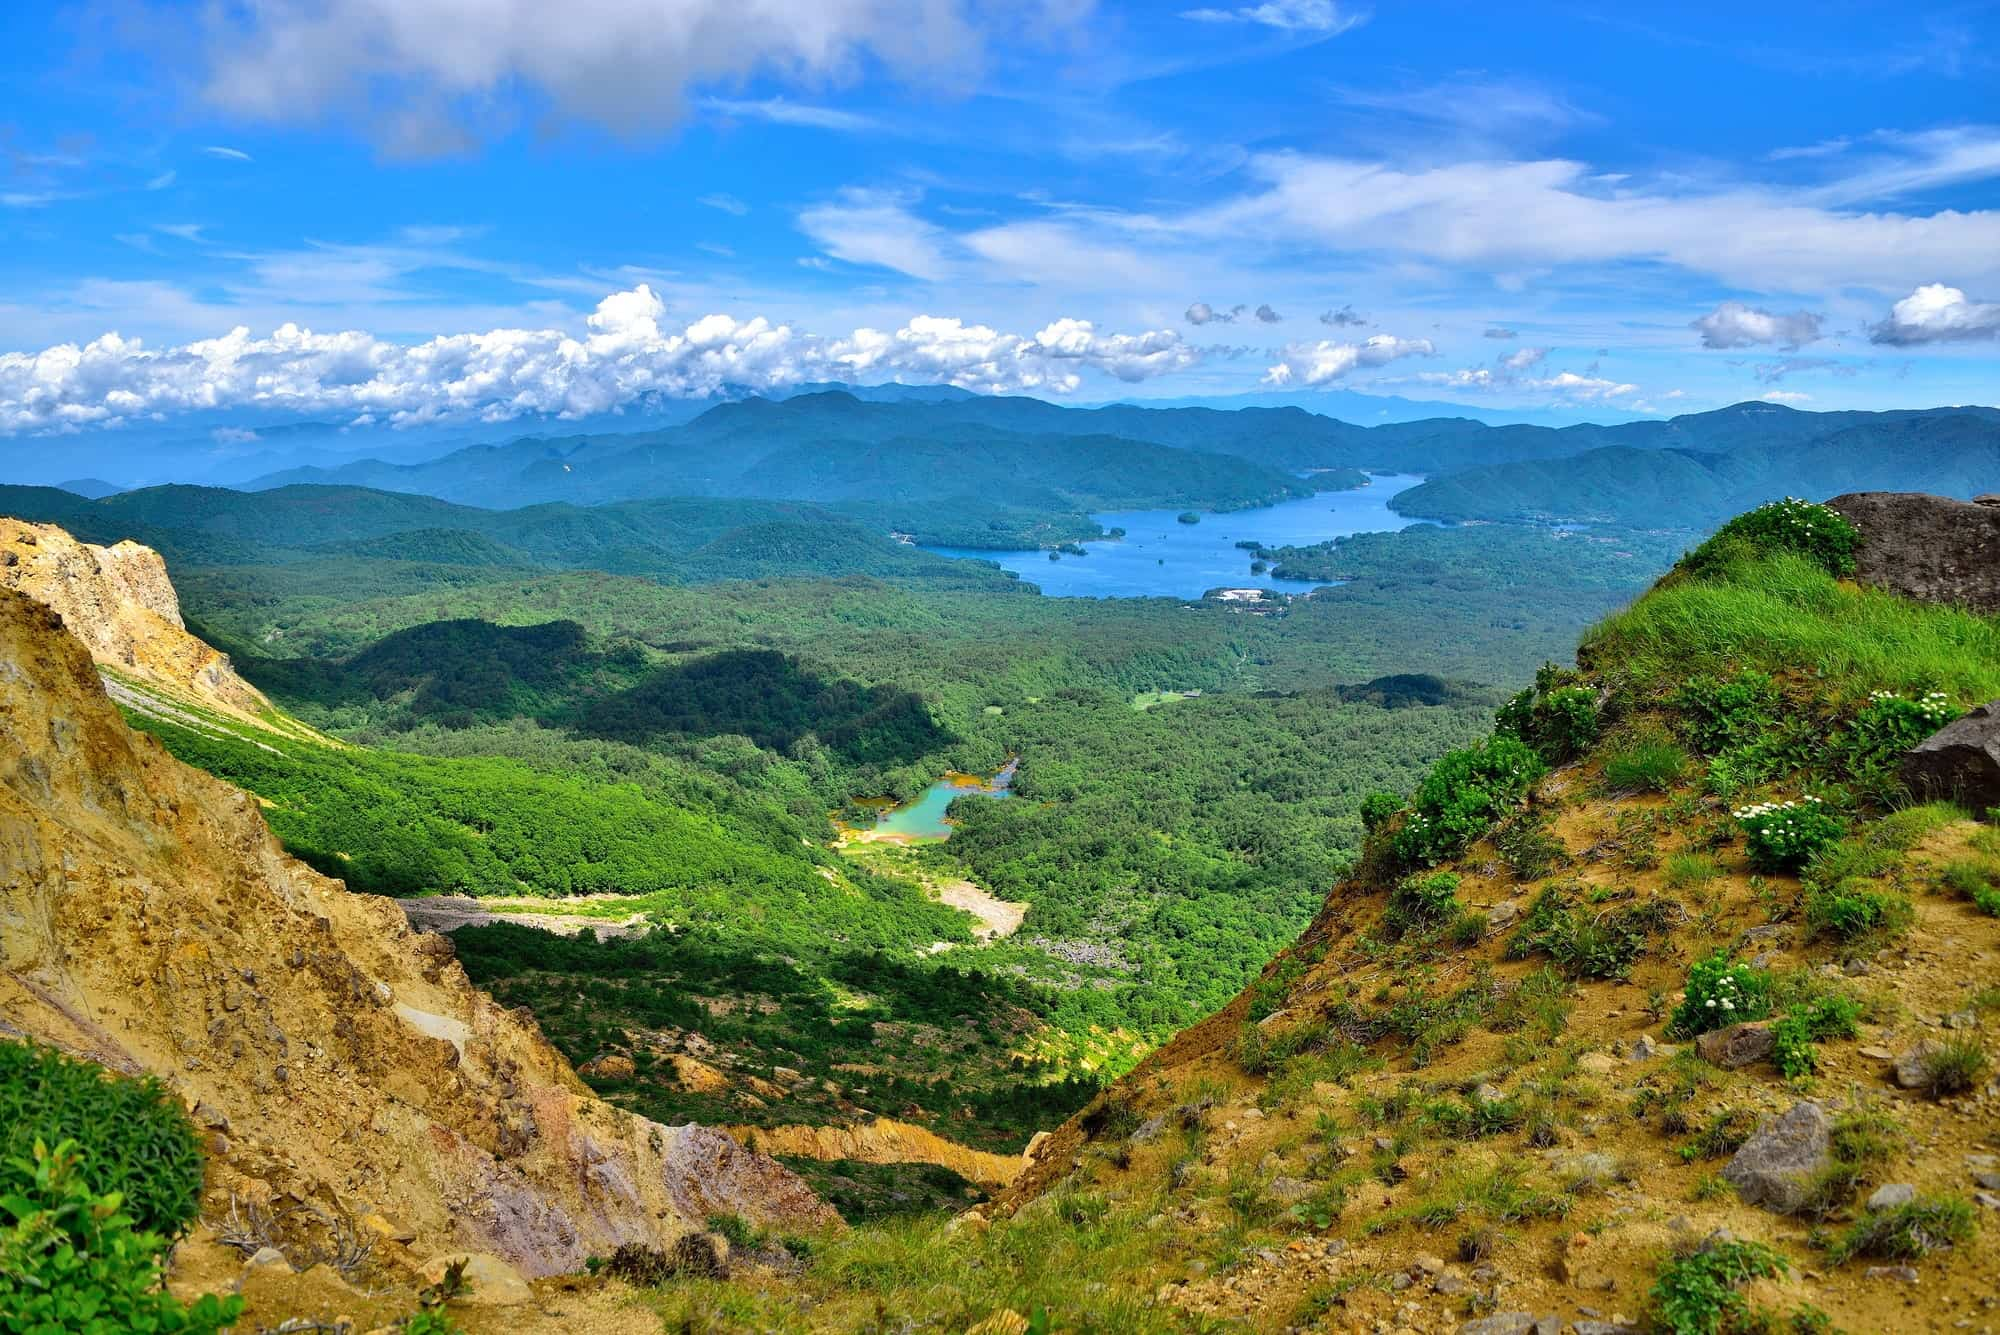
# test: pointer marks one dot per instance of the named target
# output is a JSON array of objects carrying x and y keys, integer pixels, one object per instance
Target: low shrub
[
  {"x": 1464, "y": 794},
  {"x": 1784, "y": 836},
  {"x": 1650, "y": 765},
  {"x": 1585, "y": 945},
  {"x": 1422, "y": 901},
  {"x": 1890, "y": 724},
  {"x": 1700, "y": 1293},
  {"x": 1820, "y": 533},
  {"x": 132, "y": 1136},
  {"x": 1906, "y": 1232},
  {"x": 1715, "y": 715},
  {"x": 1527, "y": 847},
  {"x": 1557, "y": 716},
  {"x": 72, "y": 1259},
  {"x": 1719, "y": 994},
  {"x": 1378, "y": 809},
  {"x": 1823, "y": 1018}
]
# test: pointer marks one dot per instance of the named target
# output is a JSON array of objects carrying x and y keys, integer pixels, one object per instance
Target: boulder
[
  {"x": 1913, "y": 1065},
  {"x": 1776, "y": 1166},
  {"x": 489, "y": 1281},
  {"x": 607, "y": 1066},
  {"x": 1961, "y": 761},
  {"x": 1737, "y": 1046},
  {"x": 1890, "y": 1196},
  {"x": 1930, "y": 548}
]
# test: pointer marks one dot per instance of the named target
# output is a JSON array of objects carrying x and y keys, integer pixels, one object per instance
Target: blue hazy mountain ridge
[
  {"x": 1771, "y": 454},
  {"x": 833, "y": 446}
]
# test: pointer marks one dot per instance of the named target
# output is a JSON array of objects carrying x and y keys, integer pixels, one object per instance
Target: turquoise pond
[
  {"x": 924, "y": 817},
  {"x": 1159, "y": 557}
]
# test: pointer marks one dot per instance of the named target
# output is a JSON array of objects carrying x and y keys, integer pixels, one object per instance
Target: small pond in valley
[{"x": 924, "y": 816}]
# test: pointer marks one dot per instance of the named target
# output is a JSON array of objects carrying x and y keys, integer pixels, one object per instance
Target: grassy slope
[{"x": 1176, "y": 1211}]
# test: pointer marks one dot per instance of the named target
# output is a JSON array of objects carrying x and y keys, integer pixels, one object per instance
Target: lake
[
  {"x": 1159, "y": 557},
  {"x": 924, "y": 817}
]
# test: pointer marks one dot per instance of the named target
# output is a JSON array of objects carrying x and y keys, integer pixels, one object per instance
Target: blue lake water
[
  {"x": 1160, "y": 557},
  {"x": 924, "y": 817}
]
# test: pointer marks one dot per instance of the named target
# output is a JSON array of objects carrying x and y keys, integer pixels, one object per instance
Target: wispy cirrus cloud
[{"x": 1324, "y": 17}]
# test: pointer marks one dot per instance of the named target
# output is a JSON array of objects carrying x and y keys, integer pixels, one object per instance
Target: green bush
[
  {"x": 1814, "y": 531},
  {"x": 1527, "y": 847},
  {"x": 1784, "y": 836},
  {"x": 1720, "y": 994},
  {"x": 1890, "y": 724},
  {"x": 1953, "y": 1066},
  {"x": 1557, "y": 716},
  {"x": 1976, "y": 879},
  {"x": 72, "y": 1260},
  {"x": 1378, "y": 809},
  {"x": 133, "y": 1137},
  {"x": 1700, "y": 1293},
  {"x": 1422, "y": 901},
  {"x": 1824, "y": 1017},
  {"x": 1716, "y": 715},
  {"x": 1462, "y": 796},
  {"x": 1584, "y": 945}
]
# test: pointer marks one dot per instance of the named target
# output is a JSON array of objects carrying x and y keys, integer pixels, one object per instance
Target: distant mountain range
[{"x": 1695, "y": 472}]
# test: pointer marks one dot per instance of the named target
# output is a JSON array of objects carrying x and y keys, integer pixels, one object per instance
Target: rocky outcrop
[
  {"x": 1776, "y": 1166},
  {"x": 149, "y": 921},
  {"x": 1961, "y": 761},
  {"x": 884, "y": 1141},
  {"x": 119, "y": 602},
  {"x": 1930, "y": 548}
]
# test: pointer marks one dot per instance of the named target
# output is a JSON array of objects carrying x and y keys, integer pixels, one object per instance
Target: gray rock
[
  {"x": 1289, "y": 1190},
  {"x": 1986, "y": 1200},
  {"x": 1890, "y": 1196},
  {"x": 1501, "y": 1323},
  {"x": 1965, "y": 1019},
  {"x": 1775, "y": 1166},
  {"x": 1737, "y": 1046},
  {"x": 1449, "y": 1285},
  {"x": 1502, "y": 914},
  {"x": 1930, "y": 548},
  {"x": 1961, "y": 761},
  {"x": 1604, "y": 1328},
  {"x": 1990, "y": 1181},
  {"x": 1911, "y": 1065},
  {"x": 1486, "y": 1093},
  {"x": 1643, "y": 1049},
  {"x": 1901, "y": 1274}
]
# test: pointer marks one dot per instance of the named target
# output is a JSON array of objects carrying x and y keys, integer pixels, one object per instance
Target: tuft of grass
[
  {"x": 1976, "y": 879},
  {"x": 1689, "y": 871},
  {"x": 1953, "y": 1066},
  {"x": 1649, "y": 765},
  {"x": 1906, "y": 1232}
]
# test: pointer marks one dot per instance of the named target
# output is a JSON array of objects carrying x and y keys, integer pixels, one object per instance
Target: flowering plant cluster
[
  {"x": 1791, "y": 525},
  {"x": 1783, "y": 836},
  {"x": 1890, "y": 724},
  {"x": 1720, "y": 994}
]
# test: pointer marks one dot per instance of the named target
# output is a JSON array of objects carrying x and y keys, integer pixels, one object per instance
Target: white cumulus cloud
[
  {"x": 1735, "y": 325},
  {"x": 1328, "y": 359},
  {"x": 1935, "y": 313},
  {"x": 424, "y": 72},
  {"x": 630, "y": 352}
]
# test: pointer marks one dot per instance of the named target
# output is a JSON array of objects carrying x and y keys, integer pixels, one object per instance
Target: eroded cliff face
[
  {"x": 149, "y": 921},
  {"x": 119, "y": 602}
]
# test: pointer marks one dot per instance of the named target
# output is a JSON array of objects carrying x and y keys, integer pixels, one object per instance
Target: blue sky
[{"x": 479, "y": 208}]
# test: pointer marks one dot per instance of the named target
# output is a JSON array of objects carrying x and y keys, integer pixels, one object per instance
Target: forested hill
[
  {"x": 419, "y": 540},
  {"x": 1953, "y": 452}
]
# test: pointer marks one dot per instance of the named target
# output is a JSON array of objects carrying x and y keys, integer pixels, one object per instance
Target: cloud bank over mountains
[{"x": 629, "y": 353}]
